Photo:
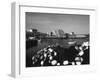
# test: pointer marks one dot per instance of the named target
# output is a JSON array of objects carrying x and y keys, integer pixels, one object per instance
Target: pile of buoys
[{"x": 51, "y": 57}]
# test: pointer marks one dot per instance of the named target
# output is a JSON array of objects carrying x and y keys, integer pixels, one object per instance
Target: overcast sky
[{"x": 47, "y": 22}]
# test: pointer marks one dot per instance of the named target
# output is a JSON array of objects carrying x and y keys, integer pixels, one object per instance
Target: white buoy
[
  {"x": 55, "y": 53},
  {"x": 73, "y": 63},
  {"x": 81, "y": 53},
  {"x": 58, "y": 64},
  {"x": 81, "y": 59},
  {"x": 54, "y": 62},
  {"x": 50, "y": 49},
  {"x": 76, "y": 47},
  {"x": 33, "y": 62},
  {"x": 80, "y": 48},
  {"x": 42, "y": 62},
  {"x": 41, "y": 57},
  {"x": 85, "y": 44},
  {"x": 45, "y": 55},
  {"x": 86, "y": 47},
  {"x": 78, "y": 63},
  {"x": 50, "y": 57},
  {"x": 77, "y": 59},
  {"x": 33, "y": 58},
  {"x": 45, "y": 49},
  {"x": 65, "y": 62}
]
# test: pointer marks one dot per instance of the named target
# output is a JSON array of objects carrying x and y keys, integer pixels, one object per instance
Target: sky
[{"x": 49, "y": 22}]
